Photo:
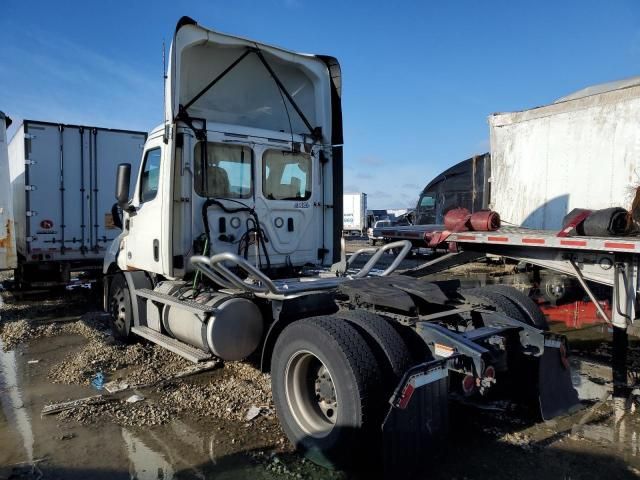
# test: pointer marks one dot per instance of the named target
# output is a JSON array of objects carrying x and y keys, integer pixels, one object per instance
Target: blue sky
[{"x": 420, "y": 78}]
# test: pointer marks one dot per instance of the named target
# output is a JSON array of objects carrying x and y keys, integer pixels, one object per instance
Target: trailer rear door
[
  {"x": 70, "y": 187},
  {"x": 110, "y": 148}
]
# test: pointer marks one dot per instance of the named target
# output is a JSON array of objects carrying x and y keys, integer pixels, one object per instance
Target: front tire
[
  {"x": 325, "y": 382},
  {"x": 121, "y": 309}
]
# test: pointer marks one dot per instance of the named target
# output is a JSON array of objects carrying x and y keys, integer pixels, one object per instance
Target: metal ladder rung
[
  {"x": 176, "y": 346},
  {"x": 189, "y": 305}
]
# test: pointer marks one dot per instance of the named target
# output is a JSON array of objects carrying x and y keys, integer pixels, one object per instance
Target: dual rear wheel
[{"x": 331, "y": 379}]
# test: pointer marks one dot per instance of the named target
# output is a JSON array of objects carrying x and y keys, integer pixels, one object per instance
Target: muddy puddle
[{"x": 188, "y": 446}]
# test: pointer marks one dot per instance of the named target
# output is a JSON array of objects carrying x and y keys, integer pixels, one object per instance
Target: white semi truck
[
  {"x": 354, "y": 213},
  {"x": 231, "y": 248},
  {"x": 62, "y": 187}
]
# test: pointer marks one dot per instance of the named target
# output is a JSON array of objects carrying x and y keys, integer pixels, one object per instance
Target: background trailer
[{"x": 62, "y": 180}]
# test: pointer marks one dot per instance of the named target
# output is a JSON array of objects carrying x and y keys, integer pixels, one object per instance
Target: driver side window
[{"x": 150, "y": 175}]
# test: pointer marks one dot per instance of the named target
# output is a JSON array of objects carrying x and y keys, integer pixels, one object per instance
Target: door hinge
[
  {"x": 30, "y": 187},
  {"x": 29, "y": 162},
  {"x": 31, "y": 239},
  {"x": 29, "y": 136},
  {"x": 31, "y": 213}
]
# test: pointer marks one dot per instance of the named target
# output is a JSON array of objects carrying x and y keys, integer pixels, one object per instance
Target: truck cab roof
[{"x": 216, "y": 78}]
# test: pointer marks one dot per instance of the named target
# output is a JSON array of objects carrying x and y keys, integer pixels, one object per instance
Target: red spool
[
  {"x": 457, "y": 220},
  {"x": 485, "y": 221}
]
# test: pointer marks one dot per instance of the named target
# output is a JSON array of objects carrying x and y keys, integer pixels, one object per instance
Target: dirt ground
[{"x": 221, "y": 423}]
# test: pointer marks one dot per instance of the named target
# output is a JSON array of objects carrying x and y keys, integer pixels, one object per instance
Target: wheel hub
[
  {"x": 118, "y": 310},
  {"x": 311, "y": 394},
  {"x": 326, "y": 394}
]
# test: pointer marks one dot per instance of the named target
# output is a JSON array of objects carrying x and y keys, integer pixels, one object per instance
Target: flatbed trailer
[{"x": 611, "y": 261}]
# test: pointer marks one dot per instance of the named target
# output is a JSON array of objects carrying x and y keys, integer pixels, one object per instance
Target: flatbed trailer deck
[{"x": 612, "y": 261}]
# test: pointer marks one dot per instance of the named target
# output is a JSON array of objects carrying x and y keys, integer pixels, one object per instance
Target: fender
[
  {"x": 136, "y": 281},
  {"x": 285, "y": 312}
]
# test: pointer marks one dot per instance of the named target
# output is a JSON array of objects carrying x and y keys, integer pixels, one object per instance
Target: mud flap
[
  {"x": 556, "y": 394},
  {"x": 417, "y": 423}
]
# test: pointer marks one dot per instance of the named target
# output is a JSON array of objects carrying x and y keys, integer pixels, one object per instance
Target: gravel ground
[
  {"x": 230, "y": 397},
  {"x": 237, "y": 388}
]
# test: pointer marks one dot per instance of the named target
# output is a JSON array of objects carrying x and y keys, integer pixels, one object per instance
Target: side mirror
[{"x": 123, "y": 177}]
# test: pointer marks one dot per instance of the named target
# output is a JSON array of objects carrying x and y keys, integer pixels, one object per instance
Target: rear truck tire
[
  {"x": 121, "y": 309},
  {"x": 526, "y": 305},
  {"x": 386, "y": 343},
  {"x": 501, "y": 303},
  {"x": 325, "y": 382}
]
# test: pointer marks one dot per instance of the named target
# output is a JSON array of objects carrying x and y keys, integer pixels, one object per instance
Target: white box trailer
[
  {"x": 581, "y": 151},
  {"x": 354, "y": 213},
  {"x": 8, "y": 257},
  {"x": 62, "y": 179}
]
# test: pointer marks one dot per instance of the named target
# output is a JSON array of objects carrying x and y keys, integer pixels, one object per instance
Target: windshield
[{"x": 427, "y": 202}]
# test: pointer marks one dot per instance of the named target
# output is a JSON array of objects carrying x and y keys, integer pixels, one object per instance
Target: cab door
[{"x": 144, "y": 244}]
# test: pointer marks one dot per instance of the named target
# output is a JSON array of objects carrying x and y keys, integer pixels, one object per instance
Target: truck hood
[{"x": 231, "y": 80}]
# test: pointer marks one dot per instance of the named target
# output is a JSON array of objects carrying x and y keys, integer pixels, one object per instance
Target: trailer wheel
[
  {"x": 121, "y": 309},
  {"x": 325, "y": 382},
  {"x": 557, "y": 289},
  {"x": 501, "y": 303},
  {"x": 386, "y": 343},
  {"x": 527, "y": 306}
]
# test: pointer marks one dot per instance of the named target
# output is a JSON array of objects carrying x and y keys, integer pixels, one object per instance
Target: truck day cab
[{"x": 225, "y": 251}]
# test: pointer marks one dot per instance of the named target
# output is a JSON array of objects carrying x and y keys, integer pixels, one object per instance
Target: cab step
[
  {"x": 188, "y": 305},
  {"x": 176, "y": 346}
]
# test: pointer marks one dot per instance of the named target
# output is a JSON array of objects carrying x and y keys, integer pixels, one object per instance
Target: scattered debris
[
  {"x": 97, "y": 381},
  {"x": 73, "y": 404},
  {"x": 32, "y": 362},
  {"x": 135, "y": 398},
  {"x": 118, "y": 386},
  {"x": 253, "y": 413}
]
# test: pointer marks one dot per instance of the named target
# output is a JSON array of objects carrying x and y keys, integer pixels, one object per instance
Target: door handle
[{"x": 156, "y": 249}]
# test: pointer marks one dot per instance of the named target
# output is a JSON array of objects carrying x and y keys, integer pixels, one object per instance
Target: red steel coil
[
  {"x": 457, "y": 220},
  {"x": 485, "y": 221}
]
